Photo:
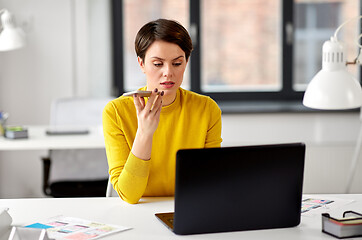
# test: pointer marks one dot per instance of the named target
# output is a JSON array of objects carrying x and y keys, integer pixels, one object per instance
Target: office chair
[
  {"x": 109, "y": 188},
  {"x": 76, "y": 172}
]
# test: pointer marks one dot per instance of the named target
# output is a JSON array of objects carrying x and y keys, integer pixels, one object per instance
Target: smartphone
[{"x": 139, "y": 93}]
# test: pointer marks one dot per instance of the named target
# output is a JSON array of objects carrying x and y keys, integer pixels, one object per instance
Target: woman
[{"x": 142, "y": 135}]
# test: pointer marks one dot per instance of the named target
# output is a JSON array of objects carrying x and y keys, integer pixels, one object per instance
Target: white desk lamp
[
  {"x": 334, "y": 88},
  {"x": 11, "y": 37}
]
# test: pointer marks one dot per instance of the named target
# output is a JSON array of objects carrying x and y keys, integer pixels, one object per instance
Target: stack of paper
[{"x": 349, "y": 226}]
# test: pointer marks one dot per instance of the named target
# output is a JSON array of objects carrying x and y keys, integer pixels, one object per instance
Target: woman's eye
[
  {"x": 157, "y": 64},
  {"x": 177, "y": 64}
]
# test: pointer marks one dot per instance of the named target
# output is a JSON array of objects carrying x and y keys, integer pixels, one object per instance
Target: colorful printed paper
[
  {"x": 312, "y": 203},
  {"x": 61, "y": 227}
]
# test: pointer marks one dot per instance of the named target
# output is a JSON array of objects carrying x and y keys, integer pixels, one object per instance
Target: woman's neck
[{"x": 168, "y": 99}]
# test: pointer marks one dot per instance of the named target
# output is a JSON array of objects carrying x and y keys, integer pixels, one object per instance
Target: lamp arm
[
  {"x": 357, "y": 41},
  {"x": 342, "y": 25}
]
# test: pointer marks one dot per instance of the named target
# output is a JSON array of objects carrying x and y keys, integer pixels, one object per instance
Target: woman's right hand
[{"x": 148, "y": 115}]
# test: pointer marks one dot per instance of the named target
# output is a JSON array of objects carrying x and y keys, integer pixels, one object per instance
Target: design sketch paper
[{"x": 61, "y": 227}]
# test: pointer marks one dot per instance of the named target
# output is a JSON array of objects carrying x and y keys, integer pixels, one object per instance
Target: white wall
[
  {"x": 330, "y": 140},
  {"x": 60, "y": 60},
  {"x": 65, "y": 56}
]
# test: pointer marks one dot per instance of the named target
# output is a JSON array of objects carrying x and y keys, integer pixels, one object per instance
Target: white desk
[
  {"x": 145, "y": 225},
  {"x": 39, "y": 140}
]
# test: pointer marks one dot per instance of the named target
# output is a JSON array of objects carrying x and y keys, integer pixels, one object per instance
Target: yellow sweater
[{"x": 191, "y": 121}]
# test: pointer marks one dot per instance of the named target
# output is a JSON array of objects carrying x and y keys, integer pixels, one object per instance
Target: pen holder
[
  {"x": 2, "y": 127},
  {"x": 3, "y": 117}
]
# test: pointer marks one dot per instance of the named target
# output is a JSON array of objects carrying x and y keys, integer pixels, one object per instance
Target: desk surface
[
  {"x": 39, "y": 140},
  {"x": 140, "y": 217}
]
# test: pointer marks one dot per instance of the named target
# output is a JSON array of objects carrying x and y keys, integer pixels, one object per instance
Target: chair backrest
[
  {"x": 109, "y": 188},
  {"x": 78, "y": 164}
]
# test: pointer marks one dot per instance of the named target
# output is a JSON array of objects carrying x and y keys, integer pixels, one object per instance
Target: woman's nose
[{"x": 167, "y": 72}]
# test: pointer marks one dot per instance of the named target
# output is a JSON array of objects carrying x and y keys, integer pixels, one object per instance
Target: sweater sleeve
[
  {"x": 128, "y": 174},
  {"x": 213, "y": 138}
]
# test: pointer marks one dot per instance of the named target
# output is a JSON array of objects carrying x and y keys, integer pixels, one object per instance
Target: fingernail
[
  {"x": 156, "y": 89},
  {"x": 162, "y": 93}
]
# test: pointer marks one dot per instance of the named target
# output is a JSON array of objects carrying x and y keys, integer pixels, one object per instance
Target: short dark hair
[{"x": 165, "y": 30}]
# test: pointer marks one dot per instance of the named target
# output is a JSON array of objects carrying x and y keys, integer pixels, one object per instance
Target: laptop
[{"x": 237, "y": 188}]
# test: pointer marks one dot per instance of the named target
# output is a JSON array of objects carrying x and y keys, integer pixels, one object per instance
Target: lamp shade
[
  {"x": 11, "y": 37},
  {"x": 333, "y": 88}
]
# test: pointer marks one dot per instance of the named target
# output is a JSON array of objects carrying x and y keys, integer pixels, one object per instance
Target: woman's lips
[{"x": 167, "y": 84}]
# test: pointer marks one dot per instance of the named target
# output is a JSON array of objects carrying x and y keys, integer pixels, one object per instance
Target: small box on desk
[
  {"x": 348, "y": 226},
  {"x": 16, "y": 132}
]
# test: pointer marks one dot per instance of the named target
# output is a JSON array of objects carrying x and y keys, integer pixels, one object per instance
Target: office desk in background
[
  {"x": 39, "y": 140},
  {"x": 140, "y": 217}
]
